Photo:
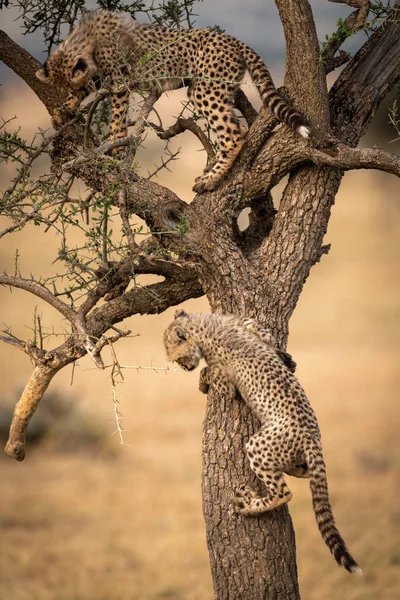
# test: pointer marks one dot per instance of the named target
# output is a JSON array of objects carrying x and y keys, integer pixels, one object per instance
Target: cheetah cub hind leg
[
  {"x": 264, "y": 453},
  {"x": 212, "y": 177},
  {"x": 247, "y": 502},
  {"x": 298, "y": 471},
  {"x": 230, "y": 132}
]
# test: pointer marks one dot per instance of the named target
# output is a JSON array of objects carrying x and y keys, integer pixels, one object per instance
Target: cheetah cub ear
[
  {"x": 83, "y": 68},
  {"x": 180, "y": 313}
]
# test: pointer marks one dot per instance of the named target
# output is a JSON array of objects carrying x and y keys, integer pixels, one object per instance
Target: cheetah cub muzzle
[
  {"x": 112, "y": 50},
  {"x": 242, "y": 358}
]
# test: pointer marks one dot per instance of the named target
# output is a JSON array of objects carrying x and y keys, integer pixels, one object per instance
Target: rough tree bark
[{"x": 259, "y": 272}]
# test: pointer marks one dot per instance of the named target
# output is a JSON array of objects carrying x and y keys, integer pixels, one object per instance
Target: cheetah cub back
[
  {"x": 112, "y": 50},
  {"x": 241, "y": 357}
]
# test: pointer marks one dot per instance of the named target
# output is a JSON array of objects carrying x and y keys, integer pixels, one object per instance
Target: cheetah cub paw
[
  {"x": 204, "y": 380},
  {"x": 205, "y": 183},
  {"x": 244, "y": 500}
]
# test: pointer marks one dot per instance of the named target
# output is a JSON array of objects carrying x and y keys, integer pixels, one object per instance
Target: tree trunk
[{"x": 251, "y": 558}]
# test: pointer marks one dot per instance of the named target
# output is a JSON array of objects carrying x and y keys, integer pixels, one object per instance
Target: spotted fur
[
  {"x": 241, "y": 356},
  {"x": 112, "y": 49}
]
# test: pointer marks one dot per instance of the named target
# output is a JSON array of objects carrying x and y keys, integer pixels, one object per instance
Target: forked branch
[
  {"x": 182, "y": 125},
  {"x": 354, "y": 22}
]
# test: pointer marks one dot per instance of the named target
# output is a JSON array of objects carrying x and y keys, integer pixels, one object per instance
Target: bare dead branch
[
  {"x": 111, "y": 339},
  {"x": 146, "y": 108},
  {"x": 243, "y": 104},
  {"x": 182, "y": 125},
  {"x": 40, "y": 291},
  {"x": 36, "y": 354},
  {"x": 94, "y": 348},
  {"x": 171, "y": 156},
  {"x": 87, "y": 341},
  {"x": 147, "y": 300},
  {"x": 102, "y": 94}
]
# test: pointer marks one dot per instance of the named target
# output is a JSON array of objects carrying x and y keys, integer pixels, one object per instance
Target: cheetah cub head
[
  {"x": 180, "y": 344},
  {"x": 70, "y": 71}
]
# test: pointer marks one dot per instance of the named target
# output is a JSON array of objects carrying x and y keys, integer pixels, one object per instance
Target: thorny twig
[
  {"x": 125, "y": 220},
  {"x": 116, "y": 372}
]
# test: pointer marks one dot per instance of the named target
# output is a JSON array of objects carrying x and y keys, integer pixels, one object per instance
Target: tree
[{"x": 198, "y": 248}]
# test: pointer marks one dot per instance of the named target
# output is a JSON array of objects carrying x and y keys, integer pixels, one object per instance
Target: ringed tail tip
[
  {"x": 355, "y": 570},
  {"x": 304, "y": 131},
  {"x": 348, "y": 562}
]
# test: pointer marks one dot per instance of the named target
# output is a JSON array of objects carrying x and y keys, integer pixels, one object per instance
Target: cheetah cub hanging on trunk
[
  {"x": 112, "y": 50},
  {"x": 241, "y": 356}
]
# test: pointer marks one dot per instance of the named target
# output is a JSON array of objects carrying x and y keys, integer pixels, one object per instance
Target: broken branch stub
[{"x": 25, "y": 408}]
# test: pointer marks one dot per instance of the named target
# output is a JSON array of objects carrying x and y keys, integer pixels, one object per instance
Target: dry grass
[{"x": 75, "y": 527}]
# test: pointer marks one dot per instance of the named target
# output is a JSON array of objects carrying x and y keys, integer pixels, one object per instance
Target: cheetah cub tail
[
  {"x": 322, "y": 508},
  {"x": 271, "y": 98}
]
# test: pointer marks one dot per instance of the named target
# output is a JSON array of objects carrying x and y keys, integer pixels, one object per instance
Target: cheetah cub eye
[{"x": 181, "y": 335}]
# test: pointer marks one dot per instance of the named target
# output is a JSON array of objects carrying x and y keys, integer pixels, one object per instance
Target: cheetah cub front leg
[{"x": 215, "y": 378}]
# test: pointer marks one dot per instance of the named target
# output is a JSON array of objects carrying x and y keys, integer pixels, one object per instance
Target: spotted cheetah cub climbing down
[
  {"x": 241, "y": 357},
  {"x": 112, "y": 50}
]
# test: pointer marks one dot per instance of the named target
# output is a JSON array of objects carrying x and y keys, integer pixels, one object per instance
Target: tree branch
[
  {"x": 347, "y": 158},
  {"x": 351, "y": 25},
  {"x": 25, "y": 408},
  {"x": 41, "y": 292},
  {"x": 25, "y": 66},
  {"x": 136, "y": 263},
  {"x": 146, "y": 108},
  {"x": 36, "y": 354},
  {"x": 354, "y": 99},
  {"x": 151, "y": 299},
  {"x": 243, "y": 104},
  {"x": 124, "y": 218},
  {"x": 182, "y": 125},
  {"x": 147, "y": 300}
]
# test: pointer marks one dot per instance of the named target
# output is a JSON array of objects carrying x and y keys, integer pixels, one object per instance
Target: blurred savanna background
[{"x": 86, "y": 517}]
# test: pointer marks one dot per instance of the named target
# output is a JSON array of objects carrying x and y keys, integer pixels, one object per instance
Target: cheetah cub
[
  {"x": 112, "y": 50},
  {"x": 242, "y": 357}
]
